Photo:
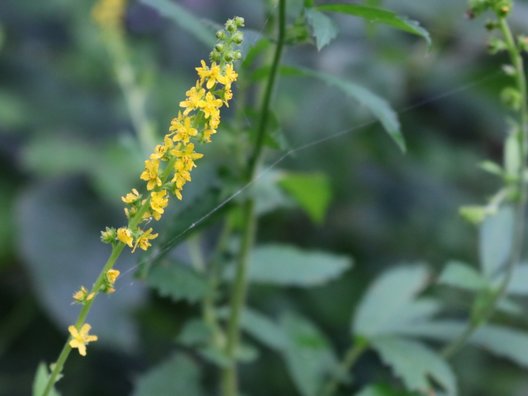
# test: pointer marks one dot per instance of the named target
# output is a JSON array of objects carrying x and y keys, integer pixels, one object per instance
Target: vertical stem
[
  {"x": 351, "y": 357},
  {"x": 238, "y": 295},
  {"x": 518, "y": 226}
]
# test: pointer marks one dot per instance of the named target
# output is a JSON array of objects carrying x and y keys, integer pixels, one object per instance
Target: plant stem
[
  {"x": 238, "y": 295},
  {"x": 351, "y": 356},
  {"x": 57, "y": 369},
  {"x": 117, "y": 249},
  {"x": 518, "y": 227}
]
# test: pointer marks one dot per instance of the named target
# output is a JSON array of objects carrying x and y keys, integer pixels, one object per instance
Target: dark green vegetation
[{"x": 360, "y": 257}]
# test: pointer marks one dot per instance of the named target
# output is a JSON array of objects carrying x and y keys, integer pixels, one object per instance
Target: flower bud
[
  {"x": 239, "y": 21},
  {"x": 237, "y": 38},
  {"x": 220, "y": 35}
]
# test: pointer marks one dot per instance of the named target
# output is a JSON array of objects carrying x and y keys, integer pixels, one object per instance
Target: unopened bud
[
  {"x": 239, "y": 21},
  {"x": 238, "y": 37}
]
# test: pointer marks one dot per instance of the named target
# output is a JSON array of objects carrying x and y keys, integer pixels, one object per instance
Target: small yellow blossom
[
  {"x": 211, "y": 106},
  {"x": 111, "y": 275},
  {"x": 80, "y": 338},
  {"x": 229, "y": 77},
  {"x": 150, "y": 174},
  {"x": 158, "y": 203},
  {"x": 108, "y": 14},
  {"x": 186, "y": 156},
  {"x": 81, "y": 296},
  {"x": 184, "y": 129},
  {"x": 125, "y": 236},
  {"x": 194, "y": 99},
  {"x": 131, "y": 197},
  {"x": 143, "y": 241},
  {"x": 211, "y": 75}
]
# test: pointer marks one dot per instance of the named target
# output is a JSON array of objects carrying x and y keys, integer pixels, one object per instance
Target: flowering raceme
[{"x": 169, "y": 167}]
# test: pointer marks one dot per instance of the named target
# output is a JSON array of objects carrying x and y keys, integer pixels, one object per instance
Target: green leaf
[
  {"x": 178, "y": 375},
  {"x": 324, "y": 29},
  {"x": 285, "y": 265},
  {"x": 518, "y": 284},
  {"x": 264, "y": 329},
  {"x": 499, "y": 340},
  {"x": 184, "y": 19},
  {"x": 388, "y": 298},
  {"x": 311, "y": 191},
  {"x": 461, "y": 275},
  {"x": 177, "y": 282},
  {"x": 195, "y": 332},
  {"x": 41, "y": 380},
  {"x": 308, "y": 354},
  {"x": 413, "y": 362},
  {"x": 495, "y": 241},
  {"x": 374, "y": 103},
  {"x": 379, "y": 16}
]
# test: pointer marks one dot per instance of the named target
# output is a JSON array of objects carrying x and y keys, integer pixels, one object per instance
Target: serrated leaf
[
  {"x": 324, "y": 29},
  {"x": 41, "y": 380},
  {"x": 177, "y": 282},
  {"x": 374, "y": 103},
  {"x": 495, "y": 241},
  {"x": 387, "y": 298},
  {"x": 178, "y": 375},
  {"x": 379, "y": 16},
  {"x": 184, "y": 19},
  {"x": 195, "y": 332},
  {"x": 413, "y": 362},
  {"x": 461, "y": 275},
  {"x": 308, "y": 354},
  {"x": 285, "y": 265},
  {"x": 263, "y": 329},
  {"x": 499, "y": 340}
]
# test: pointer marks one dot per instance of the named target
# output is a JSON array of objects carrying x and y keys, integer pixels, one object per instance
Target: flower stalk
[
  {"x": 238, "y": 294},
  {"x": 166, "y": 172},
  {"x": 520, "y": 106}
]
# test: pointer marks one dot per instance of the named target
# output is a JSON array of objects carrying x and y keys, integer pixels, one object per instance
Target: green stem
[
  {"x": 57, "y": 369},
  {"x": 238, "y": 295},
  {"x": 117, "y": 249},
  {"x": 518, "y": 227},
  {"x": 350, "y": 358}
]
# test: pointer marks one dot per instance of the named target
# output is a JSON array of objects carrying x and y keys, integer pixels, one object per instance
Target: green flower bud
[
  {"x": 219, "y": 47},
  {"x": 237, "y": 55},
  {"x": 109, "y": 235},
  {"x": 228, "y": 57},
  {"x": 239, "y": 21},
  {"x": 237, "y": 38},
  {"x": 512, "y": 98},
  {"x": 496, "y": 45},
  {"x": 230, "y": 26},
  {"x": 220, "y": 35}
]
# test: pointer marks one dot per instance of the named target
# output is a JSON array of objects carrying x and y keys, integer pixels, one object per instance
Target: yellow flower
[
  {"x": 150, "y": 174},
  {"x": 111, "y": 275},
  {"x": 211, "y": 106},
  {"x": 212, "y": 75},
  {"x": 143, "y": 240},
  {"x": 207, "y": 135},
  {"x": 131, "y": 197},
  {"x": 80, "y": 338},
  {"x": 181, "y": 175},
  {"x": 184, "y": 129},
  {"x": 228, "y": 95},
  {"x": 125, "y": 236},
  {"x": 158, "y": 203},
  {"x": 229, "y": 77},
  {"x": 186, "y": 155},
  {"x": 81, "y": 296},
  {"x": 194, "y": 99}
]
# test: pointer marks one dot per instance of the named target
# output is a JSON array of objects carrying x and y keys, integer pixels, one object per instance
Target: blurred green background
[{"x": 68, "y": 152}]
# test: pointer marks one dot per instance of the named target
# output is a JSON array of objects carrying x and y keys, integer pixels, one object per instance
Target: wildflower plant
[
  {"x": 392, "y": 319},
  {"x": 166, "y": 171}
]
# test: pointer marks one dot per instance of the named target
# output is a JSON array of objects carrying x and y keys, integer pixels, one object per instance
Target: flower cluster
[
  {"x": 108, "y": 14},
  {"x": 169, "y": 167}
]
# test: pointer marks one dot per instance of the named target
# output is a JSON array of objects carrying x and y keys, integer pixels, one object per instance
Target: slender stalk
[
  {"x": 238, "y": 295},
  {"x": 350, "y": 358},
  {"x": 518, "y": 227}
]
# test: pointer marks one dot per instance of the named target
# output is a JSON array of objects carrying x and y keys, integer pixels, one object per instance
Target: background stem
[
  {"x": 518, "y": 226},
  {"x": 238, "y": 296}
]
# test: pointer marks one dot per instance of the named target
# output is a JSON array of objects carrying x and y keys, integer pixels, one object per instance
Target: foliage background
[{"x": 67, "y": 153}]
